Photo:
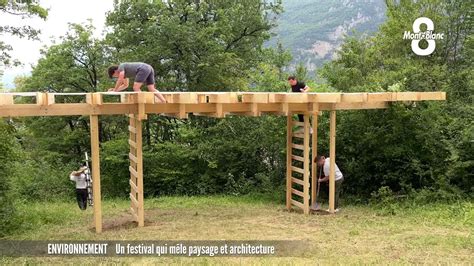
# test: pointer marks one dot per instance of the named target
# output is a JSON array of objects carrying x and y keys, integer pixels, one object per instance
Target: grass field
[{"x": 437, "y": 233}]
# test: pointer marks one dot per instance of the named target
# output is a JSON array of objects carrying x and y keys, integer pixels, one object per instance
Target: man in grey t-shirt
[{"x": 141, "y": 72}]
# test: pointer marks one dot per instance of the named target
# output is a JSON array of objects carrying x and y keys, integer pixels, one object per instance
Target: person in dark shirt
[{"x": 298, "y": 86}]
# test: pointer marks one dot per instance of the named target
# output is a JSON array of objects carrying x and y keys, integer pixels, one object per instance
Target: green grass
[{"x": 434, "y": 233}]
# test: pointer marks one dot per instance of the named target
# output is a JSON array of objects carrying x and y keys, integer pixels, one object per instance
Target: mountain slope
[{"x": 314, "y": 29}]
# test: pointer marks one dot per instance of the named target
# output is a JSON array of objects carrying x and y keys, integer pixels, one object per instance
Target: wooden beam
[
  {"x": 306, "y": 157},
  {"x": 314, "y": 154},
  {"x": 289, "y": 151},
  {"x": 332, "y": 160},
  {"x": 139, "y": 150},
  {"x": 94, "y": 128}
]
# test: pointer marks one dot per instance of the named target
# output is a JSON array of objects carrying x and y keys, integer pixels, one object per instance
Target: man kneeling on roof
[{"x": 141, "y": 72}]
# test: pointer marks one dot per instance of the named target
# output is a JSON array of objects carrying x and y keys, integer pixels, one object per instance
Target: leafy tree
[
  {"x": 193, "y": 45},
  {"x": 404, "y": 147},
  {"x": 23, "y": 8}
]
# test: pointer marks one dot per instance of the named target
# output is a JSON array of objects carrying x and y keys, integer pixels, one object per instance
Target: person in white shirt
[
  {"x": 79, "y": 177},
  {"x": 338, "y": 177}
]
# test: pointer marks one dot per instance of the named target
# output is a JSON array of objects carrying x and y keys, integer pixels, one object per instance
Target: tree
[
  {"x": 23, "y": 8},
  {"x": 409, "y": 148},
  {"x": 193, "y": 45},
  {"x": 77, "y": 64}
]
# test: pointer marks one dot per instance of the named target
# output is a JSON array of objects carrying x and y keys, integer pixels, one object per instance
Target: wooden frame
[{"x": 137, "y": 105}]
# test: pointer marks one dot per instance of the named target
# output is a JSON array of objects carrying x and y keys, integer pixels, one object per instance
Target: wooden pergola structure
[{"x": 301, "y": 182}]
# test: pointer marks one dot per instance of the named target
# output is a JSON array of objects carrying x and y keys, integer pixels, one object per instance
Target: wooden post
[
  {"x": 314, "y": 168},
  {"x": 306, "y": 165},
  {"x": 136, "y": 169},
  {"x": 94, "y": 124},
  {"x": 289, "y": 151},
  {"x": 141, "y": 215},
  {"x": 332, "y": 161}
]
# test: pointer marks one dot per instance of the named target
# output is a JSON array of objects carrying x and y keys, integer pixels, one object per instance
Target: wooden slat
[
  {"x": 298, "y": 135},
  {"x": 132, "y": 143},
  {"x": 133, "y": 186},
  {"x": 289, "y": 152},
  {"x": 306, "y": 164},
  {"x": 296, "y": 169},
  {"x": 297, "y": 192},
  {"x": 297, "y": 146},
  {"x": 133, "y": 212},
  {"x": 94, "y": 128},
  {"x": 297, "y": 123},
  {"x": 297, "y": 204},
  {"x": 133, "y": 199},
  {"x": 298, "y": 158},
  {"x": 297, "y": 181},
  {"x": 314, "y": 168},
  {"x": 132, "y": 158},
  {"x": 133, "y": 172},
  {"x": 332, "y": 160}
]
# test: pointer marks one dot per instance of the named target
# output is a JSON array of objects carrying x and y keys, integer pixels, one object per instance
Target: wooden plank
[
  {"x": 379, "y": 97},
  {"x": 132, "y": 129},
  {"x": 94, "y": 127},
  {"x": 133, "y": 199},
  {"x": 297, "y": 192},
  {"x": 298, "y": 158},
  {"x": 139, "y": 141},
  {"x": 306, "y": 164},
  {"x": 297, "y": 181},
  {"x": 288, "y": 161},
  {"x": 297, "y": 123},
  {"x": 314, "y": 167},
  {"x": 254, "y": 97},
  {"x": 133, "y": 187},
  {"x": 6, "y": 99},
  {"x": 133, "y": 172},
  {"x": 297, "y": 204},
  {"x": 296, "y": 169},
  {"x": 332, "y": 160},
  {"x": 133, "y": 158},
  {"x": 132, "y": 143},
  {"x": 297, "y": 146},
  {"x": 354, "y": 97},
  {"x": 298, "y": 135},
  {"x": 353, "y": 106},
  {"x": 324, "y": 97},
  {"x": 134, "y": 215}
]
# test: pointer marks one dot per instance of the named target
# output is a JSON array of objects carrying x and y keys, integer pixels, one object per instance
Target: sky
[{"x": 61, "y": 12}]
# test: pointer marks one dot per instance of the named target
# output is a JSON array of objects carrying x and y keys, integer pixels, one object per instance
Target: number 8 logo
[{"x": 415, "y": 44}]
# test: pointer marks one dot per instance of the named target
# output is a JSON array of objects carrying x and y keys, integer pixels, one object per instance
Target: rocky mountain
[{"x": 313, "y": 30}]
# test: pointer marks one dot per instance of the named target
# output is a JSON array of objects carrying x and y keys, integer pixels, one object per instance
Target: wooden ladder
[
  {"x": 136, "y": 169},
  {"x": 298, "y": 164}
]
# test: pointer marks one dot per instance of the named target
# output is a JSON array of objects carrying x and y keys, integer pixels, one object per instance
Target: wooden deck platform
[{"x": 181, "y": 104}]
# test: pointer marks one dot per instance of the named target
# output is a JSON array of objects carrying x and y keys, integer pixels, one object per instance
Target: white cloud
[{"x": 61, "y": 12}]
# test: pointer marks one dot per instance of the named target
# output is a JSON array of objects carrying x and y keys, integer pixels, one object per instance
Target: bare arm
[
  {"x": 306, "y": 89},
  {"x": 122, "y": 82}
]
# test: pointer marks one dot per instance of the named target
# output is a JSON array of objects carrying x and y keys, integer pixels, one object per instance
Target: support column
[
  {"x": 332, "y": 161},
  {"x": 306, "y": 159},
  {"x": 136, "y": 169},
  {"x": 314, "y": 166},
  {"x": 289, "y": 152},
  {"x": 94, "y": 128}
]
